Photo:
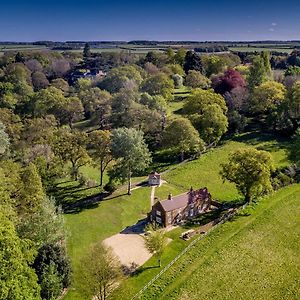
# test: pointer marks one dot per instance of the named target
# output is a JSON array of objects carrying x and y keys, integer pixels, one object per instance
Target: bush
[
  {"x": 178, "y": 80},
  {"x": 110, "y": 187}
]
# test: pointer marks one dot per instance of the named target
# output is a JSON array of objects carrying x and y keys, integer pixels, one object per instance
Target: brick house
[{"x": 182, "y": 207}]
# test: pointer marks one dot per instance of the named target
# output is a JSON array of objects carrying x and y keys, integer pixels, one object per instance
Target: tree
[
  {"x": 51, "y": 284},
  {"x": 61, "y": 84},
  {"x": 192, "y": 61},
  {"x": 32, "y": 192},
  {"x": 17, "y": 278},
  {"x": 199, "y": 99},
  {"x": 4, "y": 139},
  {"x": 292, "y": 71},
  {"x": 87, "y": 50},
  {"x": 293, "y": 101},
  {"x": 211, "y": 124},
  {"x": 267, "y": 96},
  {"x": 180, "y": 56},
  {"x": 52, "y": 263},
  {"x": 182, "y": 138},
  {"x": 250, "y": 170},
  {"x": 99, "y": 147},
  {"x": 71, "y": 147},
  {"x": 265, "y": 55},
  {"x": 195, "y": 79},
  {"x": 97, "y": 105},
  {"x": 155, "y": 242},
  {"x": 159, "y": 84},
  {"x": 70, "y": 111},
  {"x": 45, "y": 226},
  {"x": 101, "y": 271},
  {"x": 257, "y": 73},
  {"x": 120, "y": 78},
  {"x": 39, "y": 80},
  {"x": 131, "y": 152},
  {"x": 178, "y": 80},
  {"x": 230, "y": 80},
  {"x": 170, "y": 53},
  {"x": 60, "y": 67},
  {"x": 213, "y": 64},
  {"x": 48, "y": 101},
  {"x": 295, "y": 150}
]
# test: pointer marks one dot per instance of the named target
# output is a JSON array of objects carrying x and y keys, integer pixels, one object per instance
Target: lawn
[
  {"x": 107, "y": 218},
  {"x": 111, "y": 215},
  {"x": 255, "y": 256},
  {"x": 205, "y": 170}
]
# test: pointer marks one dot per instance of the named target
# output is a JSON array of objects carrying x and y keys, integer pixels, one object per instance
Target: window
[
  {"x": 158, "y": 220},
  {"x": 158, "y": 213}
]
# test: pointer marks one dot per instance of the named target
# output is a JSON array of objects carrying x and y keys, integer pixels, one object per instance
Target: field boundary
[{"x": 222, "y": 220}]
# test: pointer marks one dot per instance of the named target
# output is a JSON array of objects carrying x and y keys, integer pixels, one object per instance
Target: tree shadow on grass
[
  {"x": 74, "y": 197},
  {"x": 140, "y": 270}
]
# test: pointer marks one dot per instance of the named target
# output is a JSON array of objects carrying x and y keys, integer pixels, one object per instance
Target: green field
[
  {"x": 254, "y": 256},
  {"x": 260, "y": 49},
  {"x": 114, "y": 213}
]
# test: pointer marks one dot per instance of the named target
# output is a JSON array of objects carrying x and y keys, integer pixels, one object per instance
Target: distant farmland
[{"x": 143, "y": 47}]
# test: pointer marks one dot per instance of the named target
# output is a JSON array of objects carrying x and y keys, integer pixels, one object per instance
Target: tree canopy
[{"x": 250, "y": 170}]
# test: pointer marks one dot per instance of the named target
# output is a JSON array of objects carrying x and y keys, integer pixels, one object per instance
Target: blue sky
[{"x": 32, "y": 20}]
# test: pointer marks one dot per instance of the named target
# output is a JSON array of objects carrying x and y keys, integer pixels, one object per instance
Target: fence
[{"x": 223, "y": 219}]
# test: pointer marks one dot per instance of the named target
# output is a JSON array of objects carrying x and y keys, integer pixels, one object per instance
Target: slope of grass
[
  {"x": 205, "y": 170},
  {"x": 252, "y": 257},
  {"x": 112, "y": 214}
]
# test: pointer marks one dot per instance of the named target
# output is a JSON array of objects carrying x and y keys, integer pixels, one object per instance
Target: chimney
[{"x": 170, "y": 197}]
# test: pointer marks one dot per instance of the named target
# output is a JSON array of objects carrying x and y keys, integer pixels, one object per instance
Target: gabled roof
[
  {"x": 183, "y": 200},
  {"x": 175, "y": 203}
]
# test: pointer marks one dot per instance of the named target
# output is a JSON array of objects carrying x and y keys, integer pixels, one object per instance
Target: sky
[{"x": 125, "y": 20}]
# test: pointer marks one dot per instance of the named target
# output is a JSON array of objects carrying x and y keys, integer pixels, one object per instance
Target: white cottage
[{"x": 154, "y": 179}]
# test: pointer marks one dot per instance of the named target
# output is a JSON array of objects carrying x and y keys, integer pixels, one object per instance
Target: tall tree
[
  {"x": 230, "y": 80},
  {"x": 192, "y": 62},
  {"x": 198, "y": 100},
  {"x": 87, "y": 50},
  {"x": 195, "y": 79},
  {"x": 159, "y": 84},
  {"x": 101, "y": 271},
  {"x": 257, "y": 74},
  {"x": 131, "y": 152},
  {"x": 265, "y": 55},
  {"x": 71, "y": 147},
  {"x": 99, "y": 148},
  {"x": 211, "y": 124},
  {"x": 17, "y": 278},
  {"x": 4, "y": 140},
  {"x": 267, "y": 96},
  {"x": 182, "y": 138},
  {"x": 250, "y": 170},
  {"x": 32, "y": 193}
]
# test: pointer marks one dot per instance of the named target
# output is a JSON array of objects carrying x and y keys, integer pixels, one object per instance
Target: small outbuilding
[{"x": 154, "y": 178}]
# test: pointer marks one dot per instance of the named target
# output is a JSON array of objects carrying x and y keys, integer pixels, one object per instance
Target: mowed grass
[
  {"x": 92, "y": 225},
  {"x": 255, "y": 256},
  {"x": 205, "y": 171},
  {"x": 114, "y": 213}
]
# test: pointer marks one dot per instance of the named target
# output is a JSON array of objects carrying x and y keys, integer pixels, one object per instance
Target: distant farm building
[
  {"x": 93, "y": 74},
  {"x": 154, "y": 178},
  {"x": 176, "y": 209}
]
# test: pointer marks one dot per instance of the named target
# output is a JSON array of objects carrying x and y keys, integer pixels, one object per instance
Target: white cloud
[
  {"x": 271, "y": 29},
  {"x": 273, "y": 24}
]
